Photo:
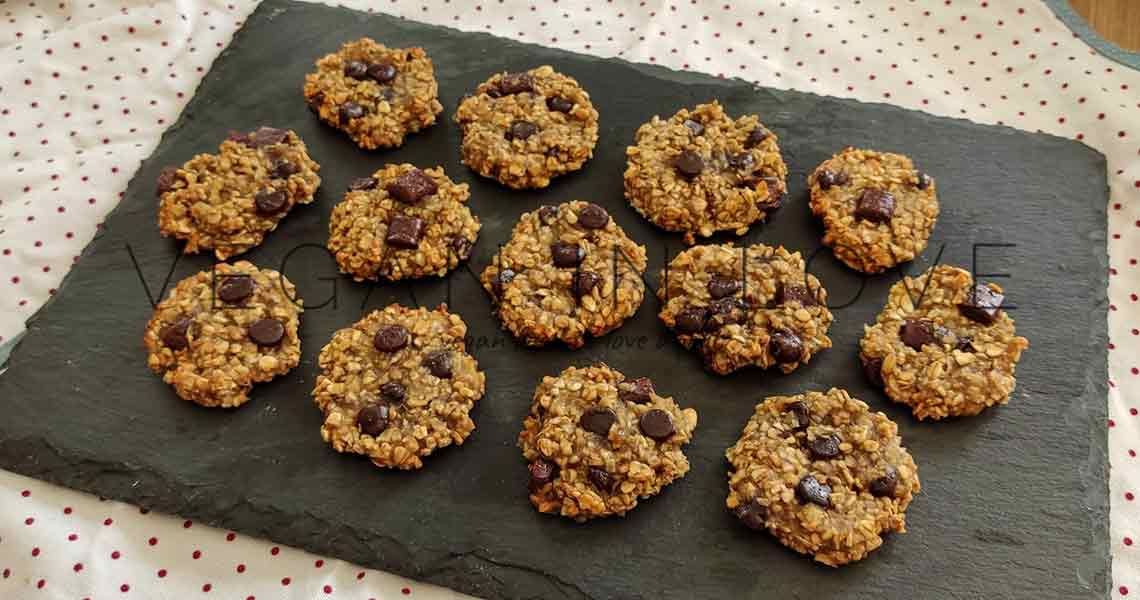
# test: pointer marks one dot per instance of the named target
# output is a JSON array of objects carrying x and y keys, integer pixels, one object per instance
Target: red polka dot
[
  {"x": 1129, "y": 497},
  {"x": 319, "y": 563},
  {"x": 35, "y": 551},
  {"x": 152, "y": 541},
  {"x": 78, "y": 567},
  {"x": 274, "y": 550},
  {"x": 1127, "y": 541},
  {"x": 115, "y": 555},
  {"x": 40, "y": 584},
  {"x": 26, "y": 493},
  {"x": 285, "y": 581},
  {"x": 29, "y": 520},
  {"x": 124, "y": 588},
  {"x": 406, "y": 591},
  {"x": 107, "y": 522},
  {"x": 197, "y": 554},
  {"x": 327, "y": 589},
  {"x": 207, "y": 587},
  {"x": 240, "y": 568},
  {"x": 161, "y": 573},
  {"x": 187, "y": 524}
]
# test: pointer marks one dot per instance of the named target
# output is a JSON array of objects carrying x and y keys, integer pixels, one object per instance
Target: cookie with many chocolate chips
[
  {"x": 740, "y": 307},
  {"x": 375, "y": 94},
  {"x": 227, "y": 202},
  {"x": 877, "y": 209},
  {"x": 402, "y": 223},
  {"x": 398, "y": 385},
  {"x": 597, "y": 442},
  {"x": 823, "y": 474},
  {"x": 527, "y": 128},
  {"x": 943, "y": 345},
  {"x": 566, "y": 272},
  {"x": 220, "y": 331},
  {"x": 701, "y": 171}
]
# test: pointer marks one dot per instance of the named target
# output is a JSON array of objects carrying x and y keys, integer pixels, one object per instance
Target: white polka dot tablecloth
[{"x": 88, "y": 87}]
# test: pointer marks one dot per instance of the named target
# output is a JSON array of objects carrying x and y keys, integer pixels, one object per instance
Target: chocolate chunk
[
  {"x": 688, "y": 164},
  {"x": 824, "y": 447},
  {"x": 601, "y": 479},
  {"x": 382, "y": 72},
  {"x": 412, "y": 186},
  {"x": 585, "y": 282},
  {"x": 355, "y": 69},
  {"x": 597, "y": 420},
  {"x": 720, "y": 286},
  {"x": 872, "y": 369},
  {"x": 505, "y": 276},
  {"x": 752, "y": 514},
  {"x": 266, "y": 332},
  {"x": 756, "y": 136},
  {"x": 438, "y": 363},
  {"x": 235, "y": 288},
  {"x": 373, "y": 419},
  {"x": 725, "y": 311},
  {"x": 350, "y": 111},
  {"x": 785, "y": 346},
  {"x": 965, "y": 344},
  {"x": 283, "y": 168},
  {"x": 361, "y": 184},
  {"x": 565, "y": 254},
  {"x": 694, "y": 127},
  {"x": 916, "y": 334},
  {"x": 885, "y": 486},
  {"x": 521, "y": 130},
  {"x": 269, "y": 202},
  {"x": 390, "y": 338},
  {"x": 393, "y": 392},
  {"x": 691, "y": 320},
  {"x": 828, "y": 178},
  {"x": 656, "y": 424},
  {"x": 875, "y": 205},
  {"x": 788, "y": 293},
  {"x": 542, "y": 472},
  {"x": 315, "y": 102},
  {"x": 801, "y": 412},
  {"x": 547, "y": 214},
  {"x": 166, "y": 179},
  {"x": 982, "y": 305},
  {"x": 462, "y": 247},
  {"x": 175, "y": 335},
  {"x": 923, "y": 181},
  {"x": 775, "y": 197},
  {"x": 559, "y": 104},
  {"x": 513, "y": 83},
  {"x": 809, "y": 489},
  {"x": 638, "y": 391},
  {"x": 742, "y": 161},
  {"x": 405, "y": 232},
  {"x": 593, "y": 216},
  {"x": 267, "y": 136}
]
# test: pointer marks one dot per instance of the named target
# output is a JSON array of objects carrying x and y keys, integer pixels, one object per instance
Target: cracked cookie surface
[
  {"x": 220, "y": 331},
  {"x": 823, "y": 474},
  {"x": 597, "y": 442}
]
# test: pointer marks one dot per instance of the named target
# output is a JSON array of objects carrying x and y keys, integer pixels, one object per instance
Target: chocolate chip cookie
[
  {"x": 567, "y": 271},
  {"x": 524, "y": 129},
  {"x": 227, "y": 202},
  {"x": 597, "y": 442},
  {"x": 823, "y": 474},
  {"x": 943, "y": 345},
  {"x": 375, "y": 94},
  {"x": 740, "y": 307},
  {"x": 402, "y": 223},
  {"x": 398, "y": 385},
  {"x": 220, "y": 331},
  {"x": 877, "y": 209},
  {"x": 701, "y": 171}
]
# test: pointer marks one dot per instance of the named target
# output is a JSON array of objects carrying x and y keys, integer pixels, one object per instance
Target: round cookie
[
  {"x": 227, "y": 202},
  {"x": 218, "y": 332},
  {"x": 942, "y": 345},
  {"x": 877, "y": 209},
  {"x": 524, "y": 129},
  {"x": 398, "y": 385},
  {"x": 823, "y": 474},
  {"x": 771, "y": 314},
  {"x": 597, "y": 442},
  {"x": 701, "y": 171},
  {"x": 375, "y": 94},
  {"x": 567, "y": 271},
  {"x": 402, "y": 223}
]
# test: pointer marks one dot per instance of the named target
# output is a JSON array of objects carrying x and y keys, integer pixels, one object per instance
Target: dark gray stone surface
[{"x": 1014, "y": 502}]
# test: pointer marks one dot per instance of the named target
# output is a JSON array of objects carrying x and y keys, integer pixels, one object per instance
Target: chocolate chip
[
  {"x": 267, "y": 136},
  {"x": 350, "y": 111},
  {"x": 638, "y": 391},
  {"x": 725, "y": 311},
  {"x": 266, "y": 332},
  {"x": 315, "y": 102},
  {"x": 719, "y": 286},
  {"x": 982, "y": 305},
  {"x": 875, "y": 205},
  {"x": 382, "y": 72},
  {"x": 694, "y": 127},
  {"x": 656, "y": 424},
  {"x": 235, "y": 288},
  {"x": 691, "y": 320},
  {"x": 597, "y": 420},
  {"x": 268, "y": 202},
  {"x": 355, "y": 69},
  {"x": 373, "y": 419},
  {"x": 559, "y": 104},
  {"x": 809, "y": 489},
  {"x": 923, "y": 181},
  {"x": 166, "y": 178},
  {"x": 542, "y": 472},
  {"x": 828, "y": 178},
  {"x": 412, "y": 186},
  {"x": 824, "y": 447},
  {"x": 174, "y": 335},
  {"x": 390, "y": 338},
  {"x": 916, "y": 334},
  {"x": 505, "y": 276},
  {"x": 405, "y": 232},
  {"x": 565, "y": 254},
  {"x": 585, "y": 282},
  {"x": 965, "y": 344},
  {"x": 393, "y": 392},
  {"x": 752, "y": 514},
  {"x": 438, "y": 363},
  {"x": 787, "y": 293},
  {"x": 688, "y": 164},
  {"x": 785, "y": 346},
  {"x": 521, "y": 130},
  {"x": 872, "y": 369},
  {"x": 600, "y": 479},
  {"x": 801, "y": 412},
  {"x": 742, "y": 161},
  {"x": 462, "y": 247},
  {"x": 362, "y": 183},
  {"x": 776, "y": 194},
  {"x": 756, "y": 136},
  {"x": 547, "y": 214},
  {"x": 283, "y": 168},
  {"x": 593, "y": 216},
  {"x": 513, "y": 83},
  {"x": 885, "y": 486}
]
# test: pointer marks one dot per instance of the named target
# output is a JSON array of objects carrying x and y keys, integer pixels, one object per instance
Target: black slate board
[{"x": 1014, "y": 502}]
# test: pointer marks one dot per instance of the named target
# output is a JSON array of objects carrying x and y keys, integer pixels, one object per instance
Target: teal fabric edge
[{"x": 1063, "y": 11}]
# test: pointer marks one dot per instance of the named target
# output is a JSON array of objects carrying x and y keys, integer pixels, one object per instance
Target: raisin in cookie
[
  {"x": 943, "y": 345},
  {"x": 220, "y": 331},
  {"x": 771, "y": 313},
  {"x": 375, "y": 94},
  {"x": 823, "y": 474},
  {"x": 398, "y": 385},
  {"x": 567, "y": 271},
  {"x": 527, "y": 128},
  {"x": 701, "y": 171},
  {"x": 877, "y": 209},
  {"x": 597, "y": 442},
  {"x": 402, "y": 223},
  {"x": 227, "y": 202}
]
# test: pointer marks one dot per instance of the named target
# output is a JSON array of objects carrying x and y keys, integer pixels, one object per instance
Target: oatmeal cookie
[
  {"x": 220, "y": 331},
  {"x": 567, "y": 271},
  {"x": 771, "y": 313},
  {"x": 375, "y": 94},
  {"x": 398, "y": 385},
  {"x": 823, "y": 474},
  {"x": 227, "y": 202},
  {"x": 877, "y": 209},
  {"x": 597, "y": 442},
  {"x": 527, "y": 128},
  {"x": 701, "y": 171},
  {"x": 402, "y": 223},
  {"x": 943, "y": 345}
]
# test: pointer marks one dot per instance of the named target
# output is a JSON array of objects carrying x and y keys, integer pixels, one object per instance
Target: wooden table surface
[{"x": 1118, "y": 21}]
